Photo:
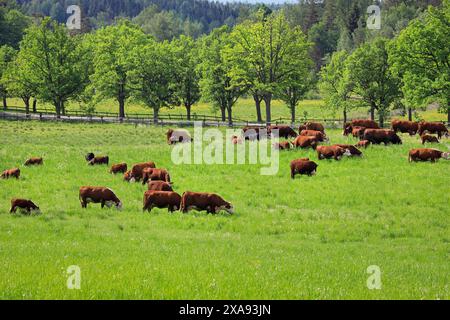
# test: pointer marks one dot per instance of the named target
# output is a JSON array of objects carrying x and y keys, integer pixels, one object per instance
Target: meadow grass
[{"x": 309, "y": 238}]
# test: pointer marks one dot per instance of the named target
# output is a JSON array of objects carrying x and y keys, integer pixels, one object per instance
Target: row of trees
[
  {"x": 265, "y": 58},
  {"x": 408, "y": 71}
]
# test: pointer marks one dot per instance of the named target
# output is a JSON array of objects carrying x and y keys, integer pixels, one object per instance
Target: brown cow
[
  {"x": 329, "y": 152},
  {"x": 159, "y": 186},
  {"x": 378, "y": 136},
  {"x": 178, "y": 136},
  {"x": 152, "y": 174},
  {"x": 315, "y": 126},
  {"x": 25, "y": 206},
  {"x": 11, "y": 173},
  {"x": 358, "y": 132},
  {"x": 433, "y": 127},
  {"x": 34, "y": 162},
  {"x": 102, "y": 195},
  {"x": 350, "y": 148},
  {"x": 161, "y": 200},
  {"x": 136, "y": 173},
  {"x": 305, "y": 142},
  {"x": 312, "y": 133},
  {"x": 368, "y": 124},
  {"x": 284, "y": 145},
  {"x": 427, "y": 138},
  {"x": 99, "y": 161},
  {"x": 363, "y": 144},
  {"x": 284, "y": 131},
  {"x": 209, "y": 202},
  {"x": 255, "y": 133},
  {"x": 236, "y": 140},
  {"x": 303, "y": 167},
  {"x": 118, "y": 168},
  {"x": 402, "y": 126},
  {"x": 428, "y": 155},
  {"x": 127, "y": 176}
]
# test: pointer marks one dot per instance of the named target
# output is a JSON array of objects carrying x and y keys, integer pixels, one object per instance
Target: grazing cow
[
  {"x": 161, "y": 199},
  {"x": 178, "y": 136},
  {"x": 209, "y": 202},
  {"x": 99, "y": 161},
  {"x": 89, "y": 156},
  {"x": 358, "y": 132},
  {"x": 354, "y": 152},
  {"x": 312, "y": 133},
  {"x": 433, "y": 127},
  {"x": 315, "y": 126},
  {"x": 305, "y": 142},
  {"x": 410, "y": 127},
  {"x": 427, "y": 138},
  {"x": 236, "y": 140},
  {"x": 303, "y": 167},
  {"x": 102, "y": 195},
  {"x": 11, "y": 173},
  {"x": 363, "y": 144},
  {"x": 368, "y": 124},
  {"x": 118, "y": 168},
  {"x": 255, "y": 133},
  {"x": 428, "y": 155},
  {"x": 285, "y": 145},
  {"x": 25, "y": 206},
  {"x": 127, "y": 176},
  {"x": 136, "y": 173},
  {"x": 34, "y": 162},
  {"x": 159, "y": 186},
  {"x": 330, "y": 152},
  {"x": 284, "y": 131},
  {"x": 152, "y": 174},
  {"x": 378, "y": 136}
]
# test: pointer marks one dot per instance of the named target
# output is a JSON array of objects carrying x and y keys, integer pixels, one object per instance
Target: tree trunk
[
  {"x": 5, "y": 104},
  {"x": 268, "y": 101},
  {"x": 292, "y": 113},
  {"x": 230, "y": 115},
  {"x": 372, "y": 112},
  {"x": 26, "y": 100},
  {"x": 448, "y": 115},
  {"x": 63, "y": 108},
  {"x": 34, "y": 105},
  {"x": 121, "y": 107},
  {"x": 222, "y": 111},
  {"x": 381, "y": 120},
  {"x": 410, "y": 114},
  {"x": 188, "y": 112},
  {"x": 345, "y": 116},
  {"x": 155, "y": 115},
  {"x": 258, "y": 107},
  {"x": 58, "y": 109}
]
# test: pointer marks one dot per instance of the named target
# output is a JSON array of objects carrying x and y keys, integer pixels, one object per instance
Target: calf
[
  {"x": 285, "y": 145},
  {"x": 236, "y": 140},
  {"x": 34, "y": 162},
  {"x": 159, "y": 186},
  {"x": 99, "y": 161},
  {"x": 136, "y": 173},
  {"x": 102, "y": 195},
  {"x": 178, "y": 136},
  {"x": 25, "y": 206},
  {"x": 303, "y": 167},
  {"x": 312, "y": 133},
  {"x": 428, "y": 155},
  {"x": 363, "y": 144},
  {"x": 330, "y": 152},
  {"x": 11, "y": 173},
  {"x": 152, "y": 174},
  {"x": 161, "y": 200},
  {"x": 118, "y": 168},
  {"x": 427, "y": 138},
  {"x": 352, "y": 149},
  {"x": 209, "y": 202},
  {"x": 305, "y": 142}
]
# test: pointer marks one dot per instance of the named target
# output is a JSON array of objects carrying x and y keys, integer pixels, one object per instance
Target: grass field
[
  {"x": 312, "y": 238},
  {"x": 243, "y": 110}
]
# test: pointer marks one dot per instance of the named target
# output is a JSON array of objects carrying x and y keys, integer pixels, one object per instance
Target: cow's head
[
  {"x": 119, "y": 206},
  {"x": 228, "y": 207},
  {"x": 446, "y": 155},
  {"x": 347, "y": 153},
  {"x": 396, "y": 139},
  {"x": 89, "y": 156},
  {"x": 348, "y": 129}
]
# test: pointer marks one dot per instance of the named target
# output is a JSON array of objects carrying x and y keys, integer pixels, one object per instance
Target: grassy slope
[
  {"x": 309, "y": 238},
  {"x": 244, "y": 110}
]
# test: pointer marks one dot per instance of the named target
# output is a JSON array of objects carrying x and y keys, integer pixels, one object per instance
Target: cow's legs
[
  {"x": 83, "y": 203},
  {"x": 13, "y": 209},
  {"x": 103, "y": 204}
]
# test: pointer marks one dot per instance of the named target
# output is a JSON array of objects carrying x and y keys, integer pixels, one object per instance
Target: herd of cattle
[{"x": 160, "y": 193}]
